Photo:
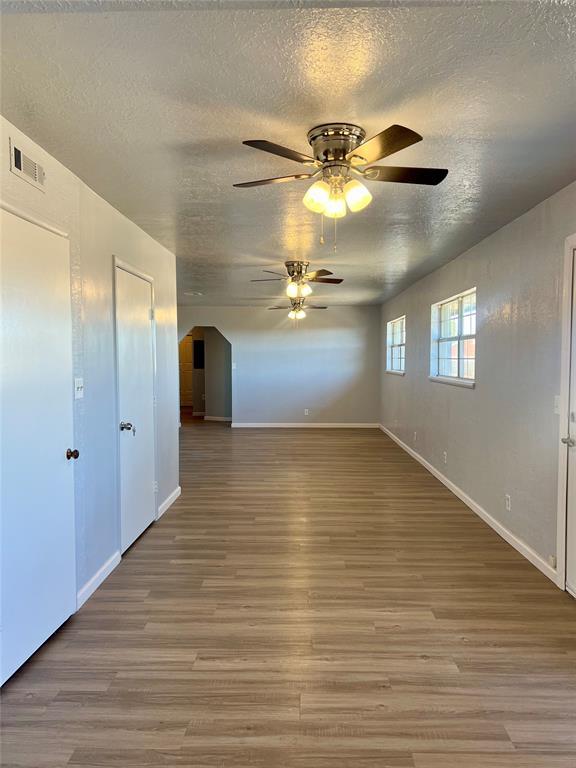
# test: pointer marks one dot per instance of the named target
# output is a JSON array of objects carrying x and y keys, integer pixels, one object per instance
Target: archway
[{"x": 205, "y": 361}]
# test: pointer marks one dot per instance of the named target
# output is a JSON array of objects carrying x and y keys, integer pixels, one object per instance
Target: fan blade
[
  {"x": 386, "y": 143},
  {"x": 277, "y": 149},
  {"x": 271, "y": 272},
  {"x": 406, "y": 175},
  {"x": 314, "y": 306},
  {"x": 279, "y": 307},
  {"x": 317, "y": 273},
  {"x": 277, "y": 180},
  {"x": 328, "y": 280},
  {"x": 267, "y": 280}
]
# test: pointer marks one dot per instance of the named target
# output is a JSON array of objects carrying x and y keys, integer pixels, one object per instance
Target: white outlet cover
[{"x": 78, "y": 388}]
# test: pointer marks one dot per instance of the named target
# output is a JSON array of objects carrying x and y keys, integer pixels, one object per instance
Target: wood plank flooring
[{"x": 315, "y": 599}]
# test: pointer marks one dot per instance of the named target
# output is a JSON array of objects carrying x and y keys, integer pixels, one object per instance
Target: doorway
[
  {"x": 135, "y": 350},
  {"x": 205, "y": 376},
  {"x": 567, "y": 464}
]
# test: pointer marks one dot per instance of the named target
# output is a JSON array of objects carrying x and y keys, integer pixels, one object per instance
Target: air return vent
[{"x": 22, "y": 165}]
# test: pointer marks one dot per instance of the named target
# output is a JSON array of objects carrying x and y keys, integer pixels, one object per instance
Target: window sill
[
  {"x": 466, "y": 383},
  {"x": 396, "y": 373}
]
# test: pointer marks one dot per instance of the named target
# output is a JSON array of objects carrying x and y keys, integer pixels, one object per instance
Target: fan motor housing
[
  {"x": 296, "y": 268},
  {"x": 331, "y": 142}
]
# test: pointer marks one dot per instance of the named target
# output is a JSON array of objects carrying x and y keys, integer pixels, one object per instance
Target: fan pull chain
[
  {"x": 321, "y": 229},
  {"x": 335, "y": 236}
]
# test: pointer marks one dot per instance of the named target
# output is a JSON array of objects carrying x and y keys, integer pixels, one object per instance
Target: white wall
[
  {"x": 97, "y": 233},
  {"x": 218, "y": 374},
  {"x": 503, "y": 436},
  {"x": 329, "y": 363}
]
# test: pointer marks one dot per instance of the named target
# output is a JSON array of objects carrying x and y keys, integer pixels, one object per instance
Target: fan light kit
[
  {"x": 298, "y": 285},
  {"x": 341, "y": 153},
  {"x": 297, "y": 314}
]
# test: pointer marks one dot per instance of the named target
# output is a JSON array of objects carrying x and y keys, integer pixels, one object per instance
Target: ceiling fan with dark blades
[
  {"x": 296, "y": 308},
  {"x": 298, "y": 278},
  {"x": 341, "y": 153}
]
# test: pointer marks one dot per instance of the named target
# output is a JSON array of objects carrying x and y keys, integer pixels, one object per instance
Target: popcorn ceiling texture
[{"x": 150, "y": 108}]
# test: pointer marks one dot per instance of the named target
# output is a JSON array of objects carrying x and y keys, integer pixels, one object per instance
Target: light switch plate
[{"x": 78, "y": 389}]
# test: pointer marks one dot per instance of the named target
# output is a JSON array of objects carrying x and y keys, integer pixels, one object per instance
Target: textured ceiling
[{"x": 150, "y": 107}]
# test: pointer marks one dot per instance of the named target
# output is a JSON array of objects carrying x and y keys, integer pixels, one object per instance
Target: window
[
  {"x": 396, "y": 345},
  {"x": 453, "y": 346}
]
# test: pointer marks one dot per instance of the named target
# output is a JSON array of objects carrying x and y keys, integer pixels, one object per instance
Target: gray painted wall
[
  {"x": 503, "y": 436},
  {"x": 218, "y": 374},
  {"x": 97, "y": 232},
  {"x": 329, "y": 363}
]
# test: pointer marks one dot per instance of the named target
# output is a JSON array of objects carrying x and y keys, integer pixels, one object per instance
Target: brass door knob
[{"x": 72, "y": 454}]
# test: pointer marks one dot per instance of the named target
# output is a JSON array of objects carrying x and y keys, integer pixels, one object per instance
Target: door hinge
[
  {"x": 151, "y": 313},
  {"x": 155, "y": 486}
]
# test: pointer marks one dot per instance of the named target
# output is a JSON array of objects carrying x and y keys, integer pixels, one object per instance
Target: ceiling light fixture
[
  {"x": 296, "y": 314},
  {"x": 357, "y": 195},
  {"x": 317, "y": 197},
  {"x": 297, "y": 289},
  {"x": 332, "y": 199}
]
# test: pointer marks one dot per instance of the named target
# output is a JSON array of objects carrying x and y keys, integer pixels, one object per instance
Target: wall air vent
[{"x": 22, "y": 165}]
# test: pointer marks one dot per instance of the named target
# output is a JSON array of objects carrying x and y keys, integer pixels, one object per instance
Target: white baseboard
[
  {"x": 500, "y": 529},
  {"x": 167, "y": 503},
  {"x": 217, "y": 418},
  {"x": 571, "y": 590},
  {"x": 101, "y": 574},
  {"x": 301, "y": 425}
]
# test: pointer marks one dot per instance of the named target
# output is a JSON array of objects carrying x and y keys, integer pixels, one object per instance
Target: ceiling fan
[
  {"x": 340, "y": 153},
  {"x": 297, "y": 308},
  {"x": 299, "y": 278}
]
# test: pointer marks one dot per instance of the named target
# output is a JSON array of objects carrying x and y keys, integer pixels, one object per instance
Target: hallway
[{"x": 315, "y": 599}]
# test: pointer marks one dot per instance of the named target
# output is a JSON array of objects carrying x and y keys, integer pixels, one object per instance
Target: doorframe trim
[
  {"x": 126, "y": 266},
  {"x": 568, "y": 299}
]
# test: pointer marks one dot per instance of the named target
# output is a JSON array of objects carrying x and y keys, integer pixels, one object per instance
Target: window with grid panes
[
  {"x": 453, "y": 348},
  {"x": 396, "y": 345}
]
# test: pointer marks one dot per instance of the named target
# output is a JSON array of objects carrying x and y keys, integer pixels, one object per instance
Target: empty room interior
[{"x": 288, "y": 384}]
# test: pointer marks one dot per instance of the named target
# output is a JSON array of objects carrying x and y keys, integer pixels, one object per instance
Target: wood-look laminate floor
[{"x": 315, "y": 599}]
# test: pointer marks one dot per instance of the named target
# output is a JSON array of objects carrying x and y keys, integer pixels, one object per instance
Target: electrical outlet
[
  {"x": 306, "y": 411},
  {"x": 445, "y": 455},
  {"x": 78, "y": 388},
  {"x": 507, "y": 502},
  {"x": 552, "y": 561}
]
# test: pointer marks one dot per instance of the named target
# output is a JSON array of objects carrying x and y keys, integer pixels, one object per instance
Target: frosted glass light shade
[
  {"x": 300, "y": 314},
  {"x": 336, "y": 205},
  {"x": 305, "y": 290},
  {"x": 356, "y": 195},
  {"x": 317, "y": 196},
  {"x": 292, "y": 290}
]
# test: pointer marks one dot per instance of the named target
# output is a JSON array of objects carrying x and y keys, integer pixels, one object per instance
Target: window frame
[
  {"x": 436, "y": 338},
  {"x": 390, "y": 346}
]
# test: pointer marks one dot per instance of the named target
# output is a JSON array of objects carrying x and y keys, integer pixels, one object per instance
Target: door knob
[
  {"x": 569, "y": 441},
  {"x": 72, "y": 454}
]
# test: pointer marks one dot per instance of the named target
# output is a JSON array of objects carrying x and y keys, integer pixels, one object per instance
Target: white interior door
[
  {"x": 571, "y": 437},
  {"x": 135, "y": 350},
  {"x": 37, "y": 488}
]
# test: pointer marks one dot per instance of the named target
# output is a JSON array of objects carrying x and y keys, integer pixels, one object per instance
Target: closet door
[{"x": 37, "y": 488}]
